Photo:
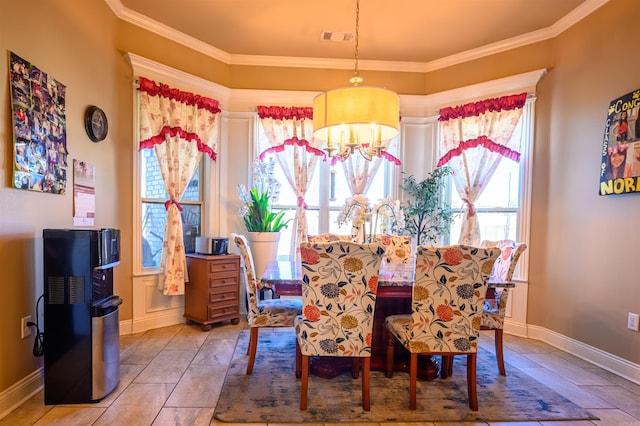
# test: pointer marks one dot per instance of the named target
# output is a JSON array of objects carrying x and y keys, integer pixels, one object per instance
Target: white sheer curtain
[
  {"x": 475, "y": 137},
  {"x": 290, "y": 133},
  {"x": 179, "y": 126}
]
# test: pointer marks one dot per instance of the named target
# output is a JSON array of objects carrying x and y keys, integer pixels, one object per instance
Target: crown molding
[
  {"x": 167, "y": 32},
  {"x": 246, "y": 100}
]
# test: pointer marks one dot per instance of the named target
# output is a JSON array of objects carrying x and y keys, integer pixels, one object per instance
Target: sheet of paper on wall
[{"x": 84, "y": 193}]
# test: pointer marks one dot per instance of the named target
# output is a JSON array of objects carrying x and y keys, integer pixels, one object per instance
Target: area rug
[{"x": 272, "y": 393}]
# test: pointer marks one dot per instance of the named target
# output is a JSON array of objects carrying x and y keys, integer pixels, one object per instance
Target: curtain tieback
[
  {"x": 301, "y": 202},
  {"x": 470, "y": 207},
  {"x": 169, "y": 202}
]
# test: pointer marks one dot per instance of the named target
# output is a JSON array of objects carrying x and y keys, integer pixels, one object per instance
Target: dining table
[{"x": 395, "y": 286}]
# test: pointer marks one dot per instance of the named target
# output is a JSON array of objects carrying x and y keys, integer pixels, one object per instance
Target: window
[
  {"x": 502, "y": 206},
  {"x": 153, "y": 196},
  {"x": 324, "y": 200}
]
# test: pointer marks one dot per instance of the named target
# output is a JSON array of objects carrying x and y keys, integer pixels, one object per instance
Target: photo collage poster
[
  {"x": 39, "y": 128},
  {"x": 620, "y": 167}
]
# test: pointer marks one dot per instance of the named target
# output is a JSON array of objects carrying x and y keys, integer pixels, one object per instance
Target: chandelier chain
[{"x": 356, "y": 79}]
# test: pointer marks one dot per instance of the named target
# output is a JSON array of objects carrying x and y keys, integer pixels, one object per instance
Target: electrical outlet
[
  {"x": 633, "y": 322},
  {"x": 25, "y": 330}
]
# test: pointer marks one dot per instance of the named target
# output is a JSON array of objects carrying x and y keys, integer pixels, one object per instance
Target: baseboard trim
[
  {"x": 609, "y": 362},
  {"x": 149, "y": 322},
  {"x": 20, "y": 392}
]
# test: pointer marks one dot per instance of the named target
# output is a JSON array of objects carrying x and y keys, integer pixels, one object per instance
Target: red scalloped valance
[
  {"x": 285, "y": 113},
  {"x": 480, "y": 141},
  {"x": 476, "y": 108},
  {"x": 161, "y": 89},
  {"x": 174, "y": 131},
  {"x": 294, "y": 141}
]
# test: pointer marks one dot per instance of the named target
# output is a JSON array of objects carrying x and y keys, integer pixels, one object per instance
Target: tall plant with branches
[{"x": 427, "y": 216}]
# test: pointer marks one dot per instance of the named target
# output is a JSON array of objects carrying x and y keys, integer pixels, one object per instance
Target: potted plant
[
  {"x": 427, "y": 217},
  {"x": 262, "y": 223}
]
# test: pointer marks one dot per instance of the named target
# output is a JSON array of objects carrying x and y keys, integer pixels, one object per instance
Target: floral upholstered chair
[
  {"x": 449, "y": 289},
  {"x": 327, "y": 238},
  {"x": 495, "y": 304},
  {"x": 340, "y": 282},
  {"x": 263, "y": 313},
  {"x": 397, "y": 247}
]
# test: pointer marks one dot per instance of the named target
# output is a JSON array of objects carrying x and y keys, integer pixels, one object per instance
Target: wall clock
[{"x": 95, "y": 123}]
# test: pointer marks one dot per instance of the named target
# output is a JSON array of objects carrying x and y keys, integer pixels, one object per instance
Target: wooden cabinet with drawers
[{"x": 212, "y": 293}]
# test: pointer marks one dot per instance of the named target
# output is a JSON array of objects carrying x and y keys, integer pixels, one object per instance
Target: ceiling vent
[{"x": 339, "y": 36}]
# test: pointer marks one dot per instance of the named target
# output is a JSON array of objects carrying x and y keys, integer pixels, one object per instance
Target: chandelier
[{"x": 356, "y": 118}]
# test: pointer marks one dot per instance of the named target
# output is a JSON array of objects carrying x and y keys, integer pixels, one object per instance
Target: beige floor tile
[
  {"x": 189, "y": 338},
  {"x": 28, "y": 413},
  {"x": 199, "y": 387},
  {"x": 70, "y": 416},
  {"x": 166, "y": 367},
  {"x": 184, "y": 416},
  {"x": 215, "y": 351},
  {"x": 568, "y": 370},
  {"x": 138, "y": 405},
  {"x": 614, "y": 417},
  {"x": 618, "y": 397},
  {"x": 572, "y": 392}
]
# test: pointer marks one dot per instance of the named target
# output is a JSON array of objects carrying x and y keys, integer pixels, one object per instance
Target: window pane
[
  {"x": 152, "y": 185},
  {"x": 502, "y": 190},
  {"x": 493, "y": 226},
  {"x": 154, "y": 217}
]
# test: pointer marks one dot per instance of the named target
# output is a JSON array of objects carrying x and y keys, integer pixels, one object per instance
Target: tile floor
[{"x": 173, "y": 376}]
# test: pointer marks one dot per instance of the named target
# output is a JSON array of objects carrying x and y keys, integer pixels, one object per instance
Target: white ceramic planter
[{"x": 264, "y": 248}]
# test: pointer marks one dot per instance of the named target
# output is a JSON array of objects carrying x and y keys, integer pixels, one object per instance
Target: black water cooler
[{"x": 81, "y": 321}]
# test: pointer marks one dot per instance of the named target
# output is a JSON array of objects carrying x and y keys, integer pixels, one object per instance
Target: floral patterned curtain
[
  {"x": 290, "y": 133},
  {"x": 475, "y": 137},
  {"x": 179, "y": 126},
  {"x": 360, "y": 171}
]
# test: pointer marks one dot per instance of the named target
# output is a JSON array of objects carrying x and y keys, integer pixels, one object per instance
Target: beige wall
[
  {"x": 574, "y": 290},
  {"x": 74, "y": 43},
  {"x": 585, "y": 262}
]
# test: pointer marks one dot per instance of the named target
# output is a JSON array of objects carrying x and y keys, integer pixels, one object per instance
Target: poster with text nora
[{"x": 620, "y": 167}]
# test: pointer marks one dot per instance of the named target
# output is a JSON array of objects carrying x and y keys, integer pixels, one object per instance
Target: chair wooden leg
[
  {"x": 366, "y": 370},
  {"x": 298, "y": 360},
  {"x": 413, "y": 378},
  {"x": 446, "y": 369},
  {"x": 391, "y": 343},
  {"x": 471, "y": 382},
  {"x": 253, "y": 345},
  {"x": 355, "y": 367},
  {"x": 305, "y": 382},
  {"x": 499, "y": 351}
]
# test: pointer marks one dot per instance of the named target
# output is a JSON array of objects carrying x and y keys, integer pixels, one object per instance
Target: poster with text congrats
[{"x": 620, "y": 168}]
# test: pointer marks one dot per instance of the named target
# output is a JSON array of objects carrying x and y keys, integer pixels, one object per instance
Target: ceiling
[{"x": 400, "y": 31}]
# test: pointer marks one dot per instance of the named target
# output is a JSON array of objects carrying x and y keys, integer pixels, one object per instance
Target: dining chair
[
  {"x": 446, "y": 309},
  {"x": 328, "y": 237},
  {"x": 340, "y": 282},
  {"x": 495, "y": 304},
  {"x": 262, "y": 313},
  {"x": 397, "y": 247}
]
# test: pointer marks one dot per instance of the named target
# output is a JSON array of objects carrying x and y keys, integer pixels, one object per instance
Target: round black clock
[{"x": 95, "y": 122}]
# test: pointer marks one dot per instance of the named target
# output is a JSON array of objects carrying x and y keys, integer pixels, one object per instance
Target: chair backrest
[
  {"x": 397, "y": 247},
  {"x": 251, "y": 283},
  {"x": 340, "y": 283},
  {"x": 326, "y": 238},
  {"x": 505, "y": 264},
  {"x": 449, "y": 290}
]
